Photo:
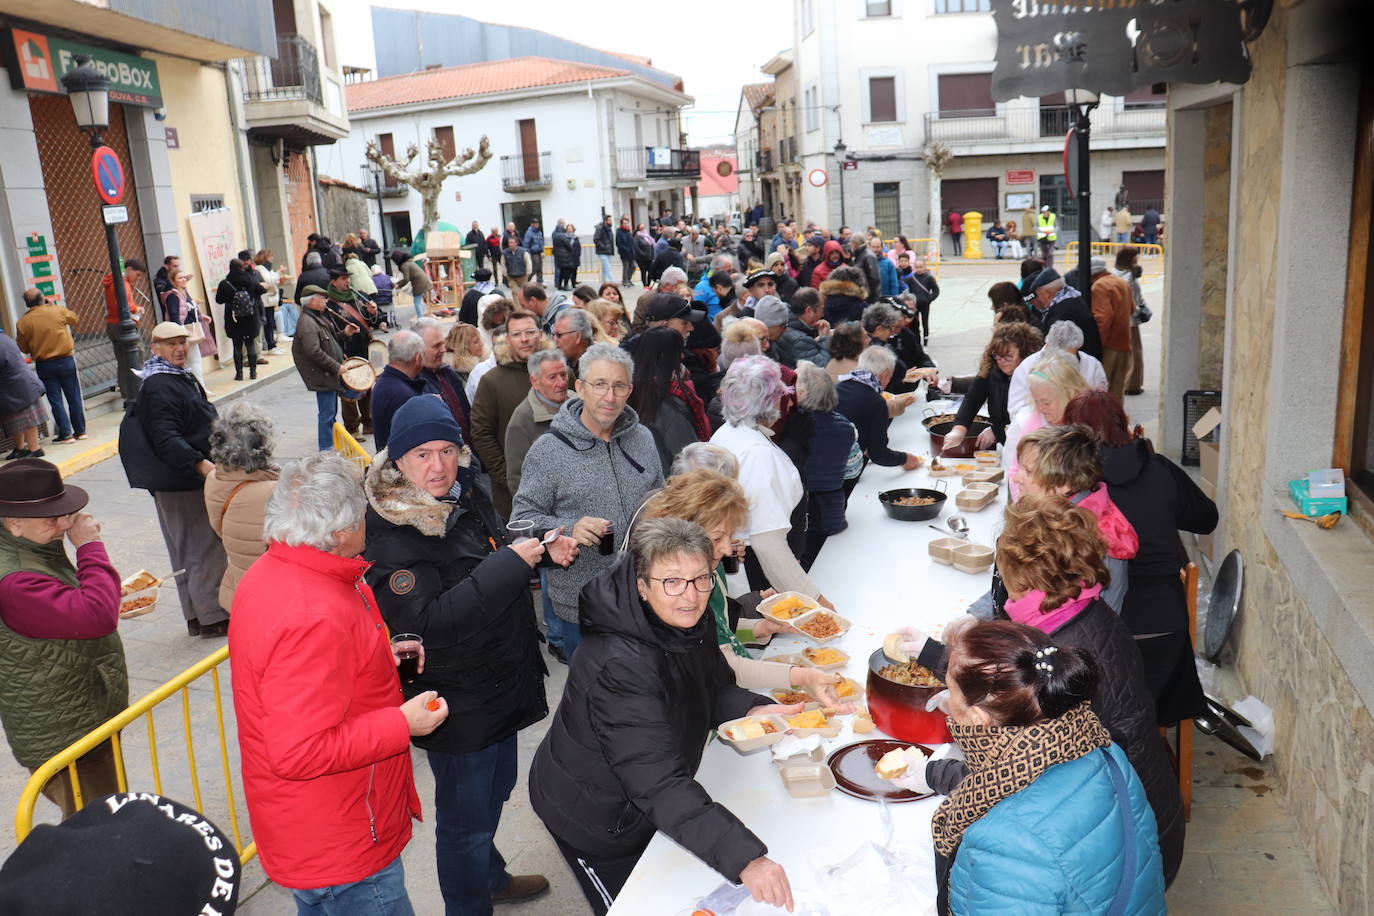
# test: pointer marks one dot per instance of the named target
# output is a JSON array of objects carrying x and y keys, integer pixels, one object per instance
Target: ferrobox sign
[{"x": 38, "y": 62}]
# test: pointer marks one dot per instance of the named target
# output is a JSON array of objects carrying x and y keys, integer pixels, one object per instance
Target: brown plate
[{"x": 854, "y": 774}]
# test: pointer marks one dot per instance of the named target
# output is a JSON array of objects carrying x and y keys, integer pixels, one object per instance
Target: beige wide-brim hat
[{"x": 170, "y": 330}]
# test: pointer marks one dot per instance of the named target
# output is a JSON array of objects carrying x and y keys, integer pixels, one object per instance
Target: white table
[{"x": 879, "y": 574}]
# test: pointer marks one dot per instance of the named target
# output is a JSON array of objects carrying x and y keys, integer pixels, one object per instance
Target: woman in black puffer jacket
[
  {"x": 646, "y": 686},
  {"x": 242, "y": 329}
]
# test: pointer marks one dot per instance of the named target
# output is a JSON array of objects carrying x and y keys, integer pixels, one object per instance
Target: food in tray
[
  {"x": 892, "y": 648},
  {"x": 790, "y": 607},
  {"x": 823, "y": 657},
  {"x": 748, "y": 729},
  {"x": 846, "y": 688},
  {"x": 820, "y": 626},
  {"x": 913, "y": 501},
  {"x": 863, "y": 723},
  {"x": 812, "y": 718},
  {"x": 138, "y": 582},
  {"x": 134, "y": 604},
  {"x": 935, "y": 464},
  {"x": 791, "y": 697},
  {"x": 887, "y": 395},
  {"x": 912, "y": 674},
  {"x": 962, "y": 468},
  {"x": 895, "y": 763}
]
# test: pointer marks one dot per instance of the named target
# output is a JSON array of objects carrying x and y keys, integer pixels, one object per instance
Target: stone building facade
[{"x": 1268, "y": 273}]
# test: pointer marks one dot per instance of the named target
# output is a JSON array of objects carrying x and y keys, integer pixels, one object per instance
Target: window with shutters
[
  {"x": 966, "y": 95},
  {"x": 887, "y": 210},
  {"x": 386, "y": 143},
  {"x": 1145, "y": 97},
  {"x": 811, "y": 102},
  {"x": 963, "y": 6},
  {"x": 873, "y": 8},
  {"x": 445, "y": 137},
  {"x": 882, "y": 99}
]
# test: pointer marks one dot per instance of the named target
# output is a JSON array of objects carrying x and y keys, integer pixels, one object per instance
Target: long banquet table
[{"x": 879, "y": 574}]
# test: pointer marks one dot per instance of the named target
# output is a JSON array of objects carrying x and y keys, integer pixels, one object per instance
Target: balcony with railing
[
  {"x": 1045, "y": 124},
  {"x": 764, "y": 160},
  {"x": 284, "y": 96},
  {"x": 527, "y": 172},
  {"x": 657, "y": 163}
]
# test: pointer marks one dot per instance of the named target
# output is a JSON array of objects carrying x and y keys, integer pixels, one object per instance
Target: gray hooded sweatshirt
[{"x": 570, "y": 473}]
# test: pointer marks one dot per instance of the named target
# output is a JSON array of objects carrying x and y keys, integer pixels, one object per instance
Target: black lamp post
[
  {"x": 88, "y": 90},
  {"x": 1083, "y": 102},
  {"x": 840, "y": 151},
  {"x": 377, "y": 173}
]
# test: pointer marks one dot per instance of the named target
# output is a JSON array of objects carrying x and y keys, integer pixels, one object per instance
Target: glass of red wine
[{"x": 407, "y": 647}]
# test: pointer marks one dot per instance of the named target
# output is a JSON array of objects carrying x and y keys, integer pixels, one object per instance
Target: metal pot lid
[{"x": 1225, "y": 604}]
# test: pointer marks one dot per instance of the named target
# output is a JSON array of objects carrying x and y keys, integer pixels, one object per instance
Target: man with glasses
[
  {"x": 588, "y": 474},
  {"x": 502, "y": 389}
]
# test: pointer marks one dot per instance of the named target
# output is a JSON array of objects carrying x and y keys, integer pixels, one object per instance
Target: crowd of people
[{"x": 611, "y": 464}]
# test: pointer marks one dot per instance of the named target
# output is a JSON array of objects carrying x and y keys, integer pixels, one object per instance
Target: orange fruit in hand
[{"x": 433, "y": 705}]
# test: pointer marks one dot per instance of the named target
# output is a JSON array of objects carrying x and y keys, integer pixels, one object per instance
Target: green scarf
[
  {"x": 340, "y": 295},
  {"x": 724, "y": 634}
]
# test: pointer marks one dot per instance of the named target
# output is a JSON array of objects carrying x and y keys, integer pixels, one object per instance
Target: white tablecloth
[{"x": 879, "y": 574}]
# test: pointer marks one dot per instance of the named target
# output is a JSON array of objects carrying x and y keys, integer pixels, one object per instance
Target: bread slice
[
  {"x": 892, "y": 764},
  {"x": 745, "y": 730},
  {"x": 892, "y": 648}
]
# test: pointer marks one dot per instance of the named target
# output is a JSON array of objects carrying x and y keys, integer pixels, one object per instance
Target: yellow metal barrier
[
  {"x": 143, "y": 708},
  {"x": 927, "y": 250},
  {"x": 1151, "y": 256},
  {"x": 348, "y": 447}
]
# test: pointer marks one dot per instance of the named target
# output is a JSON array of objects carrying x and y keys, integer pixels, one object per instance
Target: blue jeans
[
  {"x": 382, "y": 893},
  {"x": 469, "y": 790},
  {"x": 327, "y": 407},
  {"x": 554, "y": 632},
  {"x": 605, "y": 260},
  {"x": 1122, "y": 238},
  {"x": 570, "y": 637},
  {"x": 60, "y": 378},
  {"x": 289, "y": 313}
]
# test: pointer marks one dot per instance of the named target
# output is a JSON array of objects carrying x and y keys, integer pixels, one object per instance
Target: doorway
[
  {"x": 1054, "y": 193},
  {"x": 521, "y": 212},
  {"x": 887, "y": 216},
  {"x": 398, "y": 228}
]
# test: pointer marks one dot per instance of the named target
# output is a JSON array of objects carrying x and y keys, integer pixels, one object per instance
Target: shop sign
[
  {"x": 1020, "y": 176},
  {"x": 1116, "y": 46},
  {"x": 38, "y": 62},
  {"x": 39, "y": 261}
]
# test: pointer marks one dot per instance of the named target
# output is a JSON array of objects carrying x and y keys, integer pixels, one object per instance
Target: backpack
[{"x": 241, "y": 306}]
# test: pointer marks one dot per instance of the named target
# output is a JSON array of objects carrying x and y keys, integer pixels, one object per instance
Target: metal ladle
[{"x": 959, "y": 525}]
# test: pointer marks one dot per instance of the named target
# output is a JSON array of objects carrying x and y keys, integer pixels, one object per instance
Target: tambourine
[{"x": 357, "y": 374}]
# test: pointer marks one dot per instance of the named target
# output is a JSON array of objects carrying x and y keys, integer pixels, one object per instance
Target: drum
[{"x": 357, "y": 374}]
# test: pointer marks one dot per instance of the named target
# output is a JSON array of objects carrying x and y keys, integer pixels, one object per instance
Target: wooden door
[{"x": 529, "y": 150}]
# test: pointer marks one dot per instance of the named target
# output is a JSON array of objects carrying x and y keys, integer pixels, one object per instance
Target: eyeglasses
[
  {"x": 558, "y": 334},
  {"x": 619, "y": 389},
  {"x": 673, "y": 586},
  {"x": 522, "y": 335}
]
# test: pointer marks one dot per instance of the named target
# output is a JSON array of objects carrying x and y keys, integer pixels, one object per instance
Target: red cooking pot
[{"x": 900, "y": 709}]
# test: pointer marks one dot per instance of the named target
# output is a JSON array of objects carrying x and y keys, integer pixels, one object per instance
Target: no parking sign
[{"x": 108, "y": 174}]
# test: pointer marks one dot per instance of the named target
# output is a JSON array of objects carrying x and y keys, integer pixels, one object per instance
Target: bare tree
[
  {"x": 937, "y": 156},
  {"x": 430, "y": 181}
]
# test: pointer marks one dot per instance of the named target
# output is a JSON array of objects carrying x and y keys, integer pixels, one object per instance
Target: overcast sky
[{"x": 714, "y": 45}]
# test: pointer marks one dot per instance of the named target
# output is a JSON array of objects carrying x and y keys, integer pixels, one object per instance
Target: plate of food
[
  {"x": 865, "y": 769},
  {"x": 822, "y": 626},
  {"x": 823, "y": 657},
  {"x": 812, "y": 722},
  {"x": 753, "y": 732},
  {"x": 790, "y": 696},
  {"x": 787, "y": 606},
  {"x": 138, "y": 594}
]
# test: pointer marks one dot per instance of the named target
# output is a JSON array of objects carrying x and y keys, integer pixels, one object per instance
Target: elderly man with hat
[
  {"x": 1112, "y": 307},
  {"x": 318, "y": 351},
  {"x": 1052, "y": 300},
  {"x": 62, "y": 667},
  {"x": 760, "y": 283},
  {"x": 775, "y": 315},
  {"x": 445, "y": 568},
  {"x": 164, "y": 444},
  {"x": 667, "y": 310}
]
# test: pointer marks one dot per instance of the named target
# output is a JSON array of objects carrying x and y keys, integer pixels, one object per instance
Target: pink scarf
[
  {"x": 1122, "y": 542},
  {"x": 1026, "y": 609}
]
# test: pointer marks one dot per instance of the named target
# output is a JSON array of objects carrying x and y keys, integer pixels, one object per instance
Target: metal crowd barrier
[
  {"x": 144, "y": 708},
  {"x": 1151, "y": 256},
  {"x": 349, "y": 448}
]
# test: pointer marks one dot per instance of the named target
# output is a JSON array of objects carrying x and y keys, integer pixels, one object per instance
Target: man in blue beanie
[{"x": 444, "y": 568}]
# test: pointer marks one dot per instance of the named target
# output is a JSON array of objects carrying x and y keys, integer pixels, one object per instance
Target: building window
[
  {"x": 1143, "y": 190},
  {"x": 202, "y": 202},
  {"x": 875, "y": 8},
  {"x": 963, "y": 6},
  {"x": 811, "y": 102},
  {"x": 882, "y": 99},
  {"x": 445, "y": 137},
  {"x": 1145, "y": 97},
  {"x": 808, "y": 17},
  {"x": 887, "y": 209},
  {"x": 966, "y": 95},
  {"x": 964, "y": 195}
]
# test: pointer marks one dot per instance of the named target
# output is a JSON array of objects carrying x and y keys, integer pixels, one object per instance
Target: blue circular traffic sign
[{"x": 108, "y": 174}]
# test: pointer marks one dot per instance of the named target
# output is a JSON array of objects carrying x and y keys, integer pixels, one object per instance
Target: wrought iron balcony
[
  {"x": 527, "y": 171},
  {"x": 650, "y": 163},
  {"x": 764, "y": 160},
  {"x": 293, "y": 74},
  {"x": 1039, "y": 124}
]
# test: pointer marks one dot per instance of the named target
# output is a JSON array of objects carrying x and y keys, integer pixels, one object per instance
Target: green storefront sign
[{"x": 38, "y": 62}]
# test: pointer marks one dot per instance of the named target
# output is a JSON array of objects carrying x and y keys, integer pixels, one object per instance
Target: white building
[
  {"x": 888, "y": 77},
  {"x": 569, "y": 141}
]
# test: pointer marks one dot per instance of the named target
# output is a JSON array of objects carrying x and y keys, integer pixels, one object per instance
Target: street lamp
[
  {"x": 376, "y": 171},
  {"x": 88, "y": 90},
  {"x": 1083, "y": 102},
  {"x": 840, "y": 151}
]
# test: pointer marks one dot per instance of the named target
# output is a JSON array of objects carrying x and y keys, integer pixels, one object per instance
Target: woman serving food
[{"x": 645, "y": 687}]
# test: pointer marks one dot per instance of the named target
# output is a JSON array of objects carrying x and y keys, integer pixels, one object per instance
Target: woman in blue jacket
[{"x": 1051, "y": 817}]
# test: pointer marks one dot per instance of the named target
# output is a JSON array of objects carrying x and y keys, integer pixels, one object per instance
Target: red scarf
[{"x": 683, "y": 390}]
